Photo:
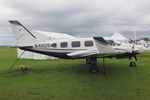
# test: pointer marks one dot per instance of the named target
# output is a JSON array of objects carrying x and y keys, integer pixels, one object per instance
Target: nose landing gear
[{"x": 132, "y": 64}]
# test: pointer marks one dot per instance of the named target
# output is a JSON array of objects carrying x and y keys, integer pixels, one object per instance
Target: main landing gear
[{"x": 93, "y": 64}]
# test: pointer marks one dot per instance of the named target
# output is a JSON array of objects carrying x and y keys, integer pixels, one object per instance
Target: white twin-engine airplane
[{"x": 88, "y": 48}]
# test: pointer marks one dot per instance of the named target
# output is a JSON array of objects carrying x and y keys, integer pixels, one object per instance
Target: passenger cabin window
[
  {"x": 88, "y": 43},
  {"x": 118, "y": 44},
  {"x": 54, "y": 45},
  {"x": 63, "y": 44},
  {"x": 75, "y": 44}
]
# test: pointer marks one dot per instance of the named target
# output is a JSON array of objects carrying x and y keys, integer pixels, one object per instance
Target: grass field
[{"x": 71, "y": 80}]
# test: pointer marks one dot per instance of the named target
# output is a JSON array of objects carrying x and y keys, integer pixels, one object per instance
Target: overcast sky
[{"x": 82, "y": 18}]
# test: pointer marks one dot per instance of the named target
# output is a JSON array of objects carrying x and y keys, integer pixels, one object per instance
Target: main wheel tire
[
  {"x": 93, "y": 65},
  {"x": 134, "y": 64}
]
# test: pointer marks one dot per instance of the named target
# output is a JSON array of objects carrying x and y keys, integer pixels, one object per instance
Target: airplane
[{"x": 74, "y": 48}]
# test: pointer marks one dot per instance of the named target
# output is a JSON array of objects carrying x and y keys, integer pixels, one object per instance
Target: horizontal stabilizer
[
  {"x": 15, "y": 22},
  {"x": 23, "y": 36}
]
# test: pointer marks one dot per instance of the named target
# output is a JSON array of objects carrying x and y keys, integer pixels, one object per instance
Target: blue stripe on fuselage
[
  {"x": 55, "y": 54},
  {"x": 60, "y": 49}
]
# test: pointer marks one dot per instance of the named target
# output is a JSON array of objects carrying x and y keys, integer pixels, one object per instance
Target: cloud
[{"x": 79, "y": 17}]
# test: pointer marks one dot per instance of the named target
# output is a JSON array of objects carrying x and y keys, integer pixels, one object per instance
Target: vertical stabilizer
[{"x": 23, "y": 36}]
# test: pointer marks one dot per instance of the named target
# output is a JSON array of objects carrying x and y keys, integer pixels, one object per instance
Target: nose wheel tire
[{"x": 132, "y": 64}]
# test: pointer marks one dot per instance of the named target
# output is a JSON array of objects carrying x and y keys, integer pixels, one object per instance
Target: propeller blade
[
  {"x": 135, "y": 57},
  {"x": 133, "y": 54},
  {"x": 130, "y": 56}
]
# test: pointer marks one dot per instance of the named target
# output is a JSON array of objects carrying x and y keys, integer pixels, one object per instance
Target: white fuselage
[
  {"x": 79, "y": 46},
  {"x": 65, "y": 46}
]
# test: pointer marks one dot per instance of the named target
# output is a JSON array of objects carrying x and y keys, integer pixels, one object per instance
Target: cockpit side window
[{"x": 118, "y": 44}]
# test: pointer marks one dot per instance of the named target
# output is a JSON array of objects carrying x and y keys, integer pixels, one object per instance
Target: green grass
[{"x": 71, "y": 80}]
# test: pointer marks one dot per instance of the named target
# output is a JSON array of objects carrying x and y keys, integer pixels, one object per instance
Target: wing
[{"x": 83, "y": 53}]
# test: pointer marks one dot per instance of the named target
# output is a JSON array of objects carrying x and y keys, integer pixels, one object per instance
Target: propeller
[{"x": 133, "y": 53}]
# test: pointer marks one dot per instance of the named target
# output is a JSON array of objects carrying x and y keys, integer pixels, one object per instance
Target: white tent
[
  {"x": 51, "y": 35},
  {"x": 120, "y": 38},
  {"x": 42, "y": 37},
  {"x": 31, "y": 55}
]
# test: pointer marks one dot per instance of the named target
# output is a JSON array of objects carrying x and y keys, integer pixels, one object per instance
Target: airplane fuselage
[{"x": 60, "y": 48}]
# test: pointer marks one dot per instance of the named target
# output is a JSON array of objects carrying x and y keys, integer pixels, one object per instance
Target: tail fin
[{"x": 23, "y": 36}]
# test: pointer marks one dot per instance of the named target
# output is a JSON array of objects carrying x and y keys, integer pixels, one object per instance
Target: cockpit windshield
[{"x": 112, "y": 43}]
